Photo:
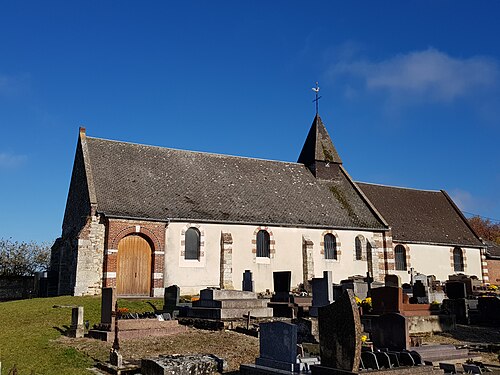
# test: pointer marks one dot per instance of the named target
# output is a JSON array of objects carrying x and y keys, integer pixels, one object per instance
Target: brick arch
[
  {"x": 337, "y": 244},
  {"x": 272, "y": 242},
  {"x": 407, "y": 253},
  {"x": 157, "y": 257},
  {"x": 202, "y": 240},
  {"x": 145, "y": 232}
]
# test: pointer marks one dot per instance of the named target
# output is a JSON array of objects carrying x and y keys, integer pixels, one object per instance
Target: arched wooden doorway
[{"x": 133, "y": 266}]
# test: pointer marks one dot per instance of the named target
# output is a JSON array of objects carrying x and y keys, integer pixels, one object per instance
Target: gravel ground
[{"x": 237, "y": 348}]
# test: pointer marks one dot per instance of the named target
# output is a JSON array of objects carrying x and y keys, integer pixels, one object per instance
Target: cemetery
[{"x": 356, "y": 326}]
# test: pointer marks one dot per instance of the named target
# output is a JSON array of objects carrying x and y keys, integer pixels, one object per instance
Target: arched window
[
  {"x": 358, "y": 248},
  {"x": 263, "y": 244},
  {"x": 192, "y": 244},
  {"x": 458, "y": 260},
  {"x": 330, "y": 246},
  {"x": 400, "y": 258}
]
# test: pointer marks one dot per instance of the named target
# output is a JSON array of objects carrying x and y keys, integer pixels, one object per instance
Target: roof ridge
[
  {"x": 196, "y": 152},
  {"x": 398, "y": 187}
]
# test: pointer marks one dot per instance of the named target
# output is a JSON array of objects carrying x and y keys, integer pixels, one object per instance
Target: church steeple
[{"x": 318, "y": 153}]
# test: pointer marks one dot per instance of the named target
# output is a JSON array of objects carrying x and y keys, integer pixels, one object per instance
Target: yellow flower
[
  {"x": 364, "y": 338},
  {"x": 357, "y": 299}
]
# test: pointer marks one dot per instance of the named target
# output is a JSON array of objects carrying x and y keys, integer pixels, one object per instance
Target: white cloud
[
  {"x": 465, "y": 201},
  {"x": 11, "y": 161},
  {"x": 428, "y": 74}
]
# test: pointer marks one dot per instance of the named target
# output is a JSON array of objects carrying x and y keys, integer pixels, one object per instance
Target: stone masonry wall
[{"x": 90, "y": 257}]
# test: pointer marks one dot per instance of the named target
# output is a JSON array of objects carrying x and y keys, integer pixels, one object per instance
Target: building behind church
[{"x": 140, "y": 218}]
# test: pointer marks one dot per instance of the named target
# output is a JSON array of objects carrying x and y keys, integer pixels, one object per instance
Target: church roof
[
  {"x": 318, "y": 145},
  {"x": 138, "y": 181},
  {"x": 421, "y": 215}
]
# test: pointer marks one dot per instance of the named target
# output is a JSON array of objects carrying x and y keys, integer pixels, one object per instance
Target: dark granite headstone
[
  {"x": 340, "y": 334},
  {"x": 455, "y": 290},
  {"x": 387, "y": 299},
  {"x": 489, "y": 310},
  {"x": 171, "y": 296},
  {"x": 282, "y": 281},
  {"x": 391, "y": 332},
  {"x": 322, "y": 289},
  {"x": 278, "y": 345},
  {"x": 247, "y": 284},
  {"x": 393, "y": 280},
  {"x": 420, "y": 292},
  {"x": 108, "y": 301}
]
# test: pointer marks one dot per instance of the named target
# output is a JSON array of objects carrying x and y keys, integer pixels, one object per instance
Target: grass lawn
[{"x": 29, "y": 330}]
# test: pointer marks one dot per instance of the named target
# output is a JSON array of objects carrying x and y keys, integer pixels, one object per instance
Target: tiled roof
[
  {"x": 132, "y": 180},
  {"x": 420, "y": 215}
]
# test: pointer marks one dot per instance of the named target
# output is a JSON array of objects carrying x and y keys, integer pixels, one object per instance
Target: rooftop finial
[{"x": 316, "y": 90}]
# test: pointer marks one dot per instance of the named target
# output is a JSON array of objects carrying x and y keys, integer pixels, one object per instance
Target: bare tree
[{"x": 23, "y": 258}]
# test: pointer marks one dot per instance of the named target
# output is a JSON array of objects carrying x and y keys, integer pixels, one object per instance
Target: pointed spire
[{"x": 318, "y": 146}]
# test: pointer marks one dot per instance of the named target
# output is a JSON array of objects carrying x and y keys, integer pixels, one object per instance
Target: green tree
[{"x": 23, "y": 258}]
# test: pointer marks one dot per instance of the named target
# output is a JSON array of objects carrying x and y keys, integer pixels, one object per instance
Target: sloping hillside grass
[{"x": 29, "y": 330}]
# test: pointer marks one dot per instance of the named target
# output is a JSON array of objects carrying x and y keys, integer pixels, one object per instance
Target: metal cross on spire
[{"x": 316, "y": 90}]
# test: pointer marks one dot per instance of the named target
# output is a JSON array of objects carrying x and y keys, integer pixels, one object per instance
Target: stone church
[{"x": 140, "y": 218}]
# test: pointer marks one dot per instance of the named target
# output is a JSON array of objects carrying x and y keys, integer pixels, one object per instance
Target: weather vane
[{"x": 316, "y": 90}]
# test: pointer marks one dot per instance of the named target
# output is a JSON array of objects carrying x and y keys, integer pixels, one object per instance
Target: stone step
[
  {"x": 220, "y": 294},
  {"x": 232, "y": 303},
  {"x": 216, "y": 313}
]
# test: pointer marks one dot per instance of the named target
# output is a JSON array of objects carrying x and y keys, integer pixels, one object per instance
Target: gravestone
[
  {"x": 340, "y": 334},
  {"x": 108, "y": 301},
  {"x": 171, "y": 297},
  {"x": 391, "y": 332},
  {"x": 359, "y": 286},
  {"x": 387, "y": 299},
  {"x": 278, "y": 346},
  {"x": 455, "y": 290},
  {"x": 393, "y": 280},
  {"x": 247, "y": 285},
  {"x": 282, "y": 281},
  {"x": 424, "y": 279},
  {"x": 420, "y": 292},
  {"x": 322, "y": 290},
  {"x": 76, "y": 329}
]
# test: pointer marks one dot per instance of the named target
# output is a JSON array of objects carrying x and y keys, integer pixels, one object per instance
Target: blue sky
[{"x": 411, "y": 90}]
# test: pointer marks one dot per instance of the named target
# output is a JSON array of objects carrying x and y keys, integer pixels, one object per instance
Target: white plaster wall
[
  {"x": 193, "y": 276},
  {"x": 435, "y": 260}
]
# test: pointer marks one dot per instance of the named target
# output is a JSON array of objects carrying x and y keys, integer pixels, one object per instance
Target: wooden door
[{"x": 133, "y": 268}]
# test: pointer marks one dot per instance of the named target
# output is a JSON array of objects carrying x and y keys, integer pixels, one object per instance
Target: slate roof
[
  {"x": 138, "y": 181},
  {"x": 421, "y": 215},
  {"x": 318, "y": 145},
  {"x": 492, "y": 250}
]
